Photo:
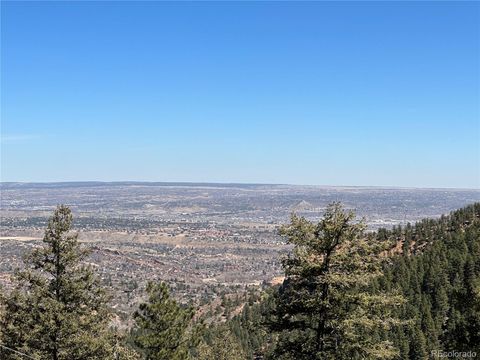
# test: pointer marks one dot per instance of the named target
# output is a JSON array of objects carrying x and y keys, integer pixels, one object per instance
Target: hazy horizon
[{"x": 215, "y": 183}]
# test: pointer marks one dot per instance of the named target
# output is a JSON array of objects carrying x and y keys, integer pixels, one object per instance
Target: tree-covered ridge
[
  {"x": 434, "y": 265},
  {"x": 441, "y": 282}
]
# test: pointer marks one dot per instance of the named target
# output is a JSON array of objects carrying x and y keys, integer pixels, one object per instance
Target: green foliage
[
  {"x": 439, "y": 274},
  {"x": 434, "y": 264},
  {"x": 221, "y": 345},
  {"x": 124, "y": 352},
  {"x": 343, "y": 297},
  {"x": 164, "y": 329},
  {"x": 57, "y": 310},
  {"x": 325, "y": 308}
]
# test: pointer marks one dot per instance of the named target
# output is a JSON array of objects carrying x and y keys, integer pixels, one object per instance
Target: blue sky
[{"x": 381, "y": 93}]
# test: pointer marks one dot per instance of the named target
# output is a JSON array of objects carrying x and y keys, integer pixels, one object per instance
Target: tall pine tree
[
  {"x": 223, "y": 345},
  {"x": 57, "y": 310},
  {"x": 326, "y": 308},
  {"x": 164, "y": 328}
]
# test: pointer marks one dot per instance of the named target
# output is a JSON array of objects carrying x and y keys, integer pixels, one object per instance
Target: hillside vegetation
[
  {"x": 434, "y": 265},
  {"x": 412, "y": 292}
]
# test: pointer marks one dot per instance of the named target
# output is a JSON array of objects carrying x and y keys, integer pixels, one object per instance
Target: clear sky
[{"x": 381, "y": 93}]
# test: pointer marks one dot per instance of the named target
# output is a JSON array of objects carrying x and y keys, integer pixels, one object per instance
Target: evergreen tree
[
  {"x": 325, "y": 308},
  {"x": 57, "y": 311},
  {"x": 418, "y": 345},
  {"x": 164, "y": 329},
  {"x": 441, "y": 282},
  {"x": 123, "y": 348},
  {"x": 222, "y": 345},
  {"x": 439, "y": 275}
]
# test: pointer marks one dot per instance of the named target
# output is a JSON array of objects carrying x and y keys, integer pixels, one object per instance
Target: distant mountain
[{"x": 303, "y": 206}]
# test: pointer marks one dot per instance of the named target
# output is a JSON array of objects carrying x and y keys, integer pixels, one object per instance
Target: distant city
[{"x": 209, "y": 239}]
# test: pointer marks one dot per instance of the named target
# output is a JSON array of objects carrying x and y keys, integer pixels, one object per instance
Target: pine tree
[
  {"x": 418, "y": 345},
  {"x": 122, "y": 351},
  {"x": 440, "y": 277},
  {"x": 325, "y": 308},
  {"x": 222, "y": 346},
  {"x": 164, "y": 329},
  {"x": 57, "y": 311}
]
